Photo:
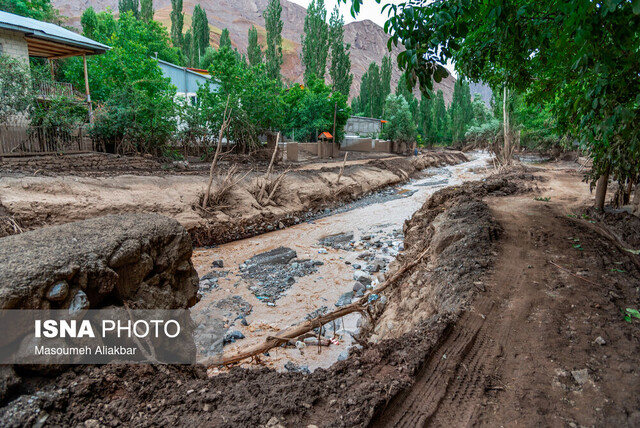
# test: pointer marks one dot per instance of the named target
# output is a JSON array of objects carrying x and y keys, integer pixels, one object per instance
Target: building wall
[
  {"x": 363, "y": 126},
  {"x": 14, "y": 45}
]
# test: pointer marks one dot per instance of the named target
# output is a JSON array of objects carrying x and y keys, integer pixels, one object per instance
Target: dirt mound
[{"x": 143, "y": 259}]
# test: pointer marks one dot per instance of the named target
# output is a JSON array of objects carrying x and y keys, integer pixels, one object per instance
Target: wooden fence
[{"x": 26, "y": 140}]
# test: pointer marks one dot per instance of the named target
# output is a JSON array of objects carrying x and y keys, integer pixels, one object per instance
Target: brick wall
[{"x": 14, "y": 45}]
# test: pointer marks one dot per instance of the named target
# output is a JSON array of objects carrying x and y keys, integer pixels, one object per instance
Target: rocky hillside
[{"x": 368, "y": 40}]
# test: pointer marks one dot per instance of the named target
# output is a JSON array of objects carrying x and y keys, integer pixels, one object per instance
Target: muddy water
[{"x": 379, "y": 218}]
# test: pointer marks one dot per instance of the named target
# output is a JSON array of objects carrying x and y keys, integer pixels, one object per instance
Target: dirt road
[{"x": 542, "y": 346}]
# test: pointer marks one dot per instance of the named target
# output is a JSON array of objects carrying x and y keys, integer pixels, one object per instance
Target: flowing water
[{"x": 377, "y": 218}]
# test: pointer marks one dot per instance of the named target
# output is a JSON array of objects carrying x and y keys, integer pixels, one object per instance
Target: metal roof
[{"x": 49, "y": 32}]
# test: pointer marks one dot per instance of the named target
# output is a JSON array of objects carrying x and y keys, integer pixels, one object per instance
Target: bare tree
[{"x": 226, "y": 120}]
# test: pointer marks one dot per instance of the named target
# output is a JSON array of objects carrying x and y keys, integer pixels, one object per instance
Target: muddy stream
[{"x": 249, "y": 299}]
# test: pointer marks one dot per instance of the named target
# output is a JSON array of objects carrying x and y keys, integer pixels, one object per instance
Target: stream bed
[{"x": 255, "y": 287}]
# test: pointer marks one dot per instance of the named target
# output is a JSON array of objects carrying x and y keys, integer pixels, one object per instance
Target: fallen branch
[
  {"x": 293, "y": 332},
  {"x": 266, "y": 176},
  {"x": 344, "y": 162},
  {"x": 573, "y": 274}
]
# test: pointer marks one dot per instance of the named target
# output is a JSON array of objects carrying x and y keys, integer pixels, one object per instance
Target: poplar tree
[
  {"x": 273, "y": 24},
  {"x": 200, "y": 32},
  {"x": 461, "y": 109},
  {"x": 440, "y": 120},
  {"x": 146, "y": 10},
  {"x": 340, "y": 71},
  {"x": 89, "y": 23},
  {"x": 315, "y": 41},
  {"x": 225, "y": 39},
  {"x": 129, "y": 6},
  {"x": 385, "y": 77},
  {"x": 177, "y": 22},
  {"x": 426, "y": 117},
  {"x": 254, "y": 50}
]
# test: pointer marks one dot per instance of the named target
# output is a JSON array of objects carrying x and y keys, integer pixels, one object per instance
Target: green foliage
[
  {"x": 41, "y": 10},
  {"x": 440, "y": 119},
  {"x": 315, "y": 41},
  {"x": 484, "y": 133},
  {"x": 400, "y": 126},
  {"x": 461, "y": 110},
  {"x": 579, "y": 58},
  {"x": 374, "y": 88},
  {"x": 225, "y": 39},
  {"x": 132, "y": 6},
  {"x": 414, "y": 105},
  {"x": 16, "y": 97},
  {"x": 426, "y": 125},
  {"x": 253, "y": 99},
  {"x": 61, "y": 114},
  {"x": 630, "y": 313},
  {"x": 200, "y": 32},
  {"x": 340, "y": 70},
  {"x": 254, "y": 50},
  {"x": 135, "y": 110},
  {"x": 89, "y": 22},
  {"x": 146, "y": 10},
  {"x": 273, "y": 24},
  {"x": 310, "y": 111},
  {"x": 177, "y": 22}
]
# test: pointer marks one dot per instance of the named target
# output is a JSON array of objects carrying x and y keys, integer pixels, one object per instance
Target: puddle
[{"x": 376, "y": 225}]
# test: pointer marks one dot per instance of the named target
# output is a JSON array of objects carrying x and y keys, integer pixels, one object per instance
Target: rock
[
  {"x": 343, "y": 355},
  {"x": 232, "y": 336},
  {"x": 580, "y": 376},
  {"x": 322, "y": 251},
  {"x": 79, "y": 303},
  {"x": 217, "y": 264},
  {"x": 58, "y": 291},
  {"x": 144, "y": 259},
  {"x": 280, "y": 225},
  {"x": 8, "y": 380},
  {"x": 292, "y": 367},
  {"x": 362, "y": 278},
  {"x": 91, "y": 423},
  {"x": 327, "y": 211},
  {"x": 277, "y": 256},
  {"x": 336, "y": 240},
  {"x": 357, "y": 266},
  {"x": 345, "y": 299},
  {"x": 358, "y": 287},
  {"x": 600, "y": 341}
]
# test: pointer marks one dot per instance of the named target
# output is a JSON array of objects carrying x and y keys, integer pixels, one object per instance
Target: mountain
[{"x": 368, "y": 40}]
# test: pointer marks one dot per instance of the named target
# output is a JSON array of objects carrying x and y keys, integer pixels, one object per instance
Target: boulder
[{"x": 141, "y": 259}]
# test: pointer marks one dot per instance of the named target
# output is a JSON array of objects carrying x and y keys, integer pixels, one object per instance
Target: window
[
  {"x": 193, "y": 100},
  {"x": 0, "y": 49}
]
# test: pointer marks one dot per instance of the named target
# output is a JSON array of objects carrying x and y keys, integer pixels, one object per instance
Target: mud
[{"x": 30, "y": 200}]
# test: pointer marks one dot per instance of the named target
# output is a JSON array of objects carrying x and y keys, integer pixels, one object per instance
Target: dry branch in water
[
  {"x": 266, "y": 186},
  {"x": 291, "y": 333}
]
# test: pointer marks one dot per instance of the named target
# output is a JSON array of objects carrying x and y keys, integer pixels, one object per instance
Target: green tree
[
  {"x": 200, "y": 32},
  {"x": 315, "y": 41},
  {"x": 225, "y": 39},
  {"x": 426, "y": 124},
  {"x": 146, "y": 10},
  {"x": 16, "y": 97},
  {"x": 400, "y": 126},
  {"x": 405, "y": 90},
  {"x": 385, "y": 78},
  {"x": 440, "y": 120},
  {"x": 177, "y": 22},
  {"x": 42, "y": 10},
  {"x": 310, "y": 110},
  {"x": 89, "y": 22},
  {"x": 132, "y": 6},
  {"x": 254, "y": 50},
  {"x": 273, "y": 24},
  {"x": 340, "y": 70},
  {"x": 370, "y": 102},
  {"x": 461, "y": 110},
  {"x": 580, "y": 58}
]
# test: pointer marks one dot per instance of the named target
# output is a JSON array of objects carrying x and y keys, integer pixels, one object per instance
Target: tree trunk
[
  {"x": 601, "y": 189},
  {"x": 507, "y": 134}
]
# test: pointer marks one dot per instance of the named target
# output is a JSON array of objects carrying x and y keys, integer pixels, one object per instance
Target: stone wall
[
  {"x": 14, "y": 45},
  {"x": 88, "y": 162},
  {"x": 141, "y": 259},
  {"x": 363, "y": 126}
]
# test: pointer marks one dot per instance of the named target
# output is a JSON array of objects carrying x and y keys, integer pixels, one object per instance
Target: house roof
[
  {"x": 325, "y": 135},
  {"x": 49, "y": 40},
  {"x": 186, "y": 69}
]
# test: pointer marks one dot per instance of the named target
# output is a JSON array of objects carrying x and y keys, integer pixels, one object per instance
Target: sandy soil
[{"x": 33, "y": 200}]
